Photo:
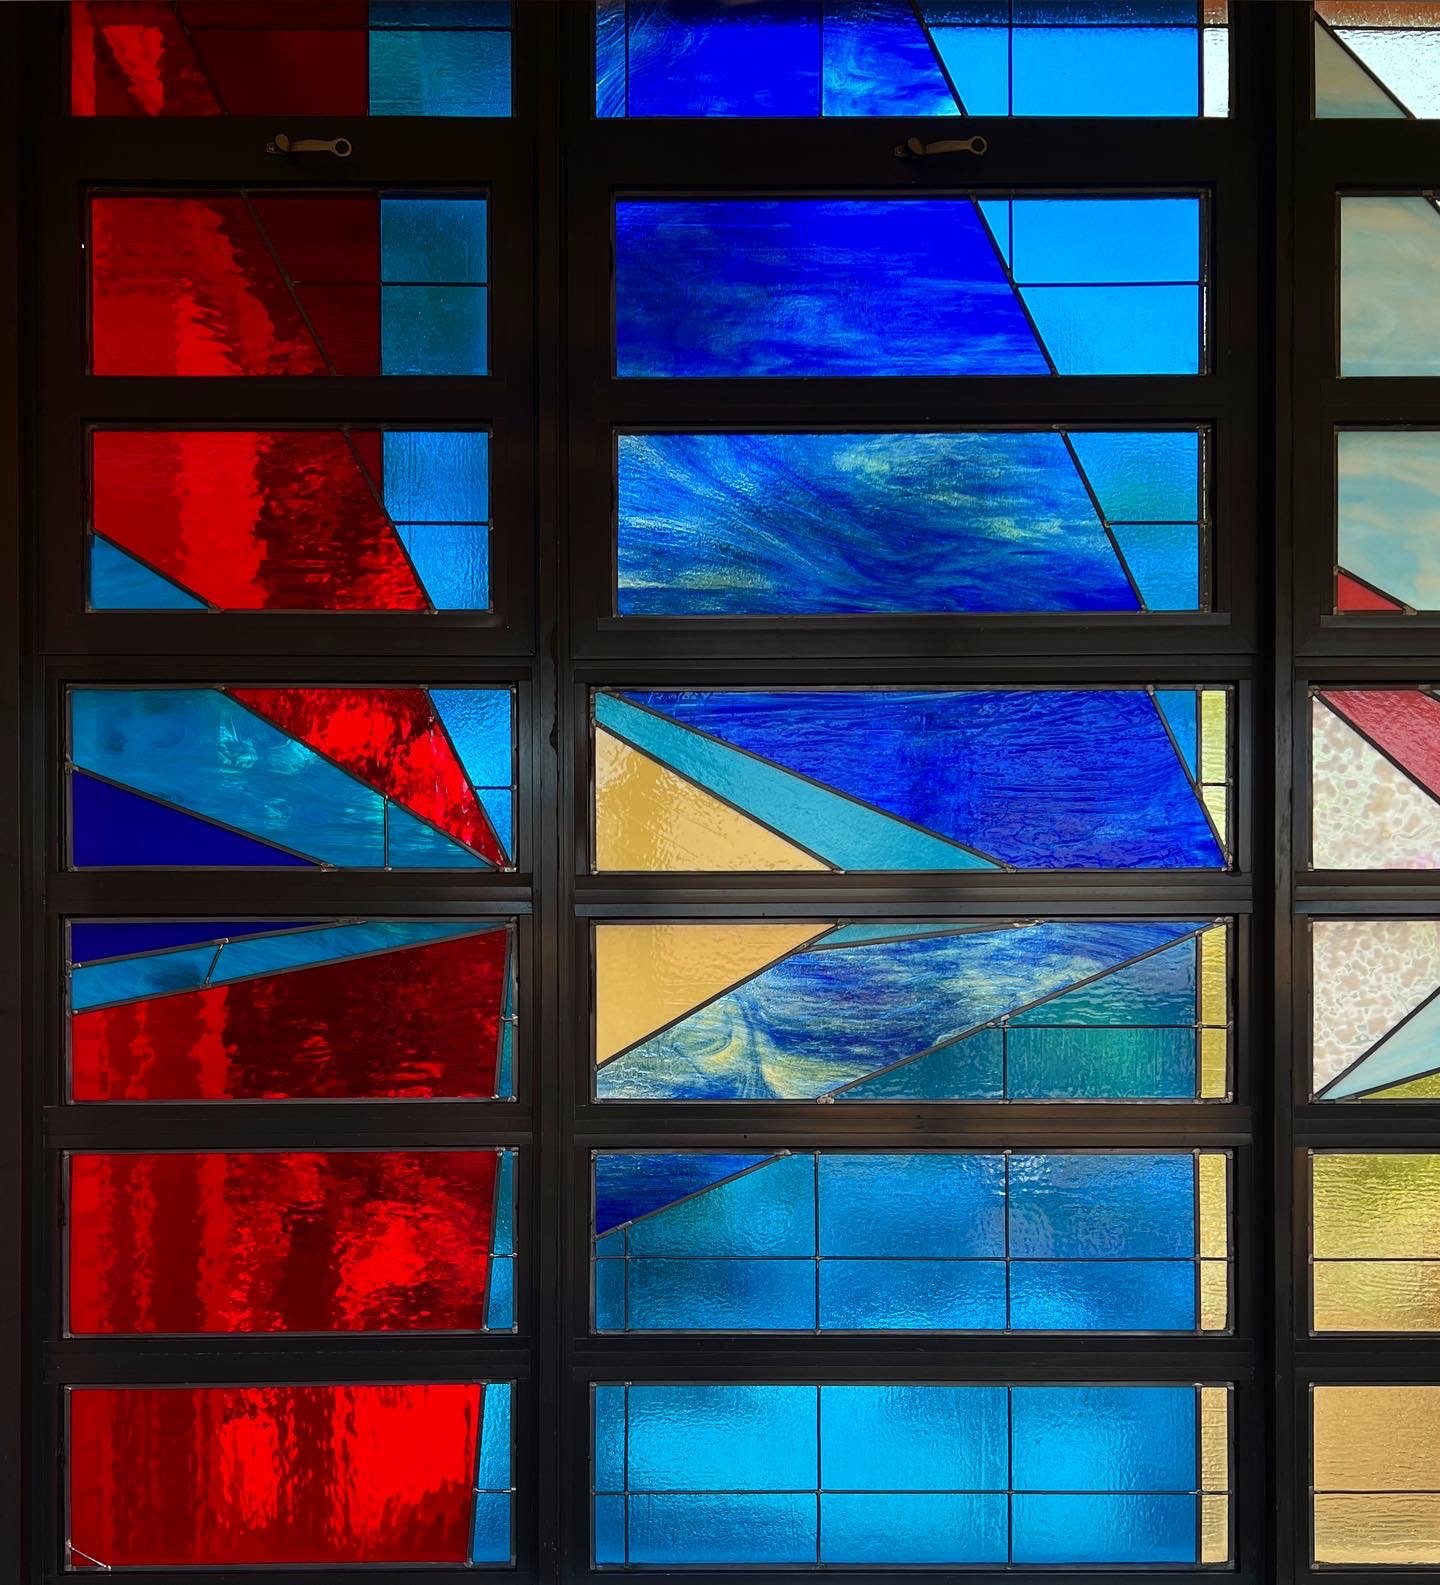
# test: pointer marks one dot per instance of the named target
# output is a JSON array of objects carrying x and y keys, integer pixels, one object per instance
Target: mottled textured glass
[
  {"x": 1375, "y": 1241},
  {"x": 1377, "y": 59},
  {"x": 876, "y": 1475},
  {"x": 1375, "y": 1471},
  {"x": 1389, "y": 494},
  {"x": 1389, "y": 318},
  {"x": 1375, "y": 1022}
]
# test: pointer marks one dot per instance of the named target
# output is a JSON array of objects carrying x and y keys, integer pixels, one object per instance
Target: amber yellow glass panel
[
  {"x": 1376, "y": 1474},
  {"x": 1214, "y": 1474},
  {"x": 1375, "y": 1241},
  {"x": 1215, "y": 758},
  {"x": 1214, "y": 1013},
  {"x": 1213, "y": 1167}
]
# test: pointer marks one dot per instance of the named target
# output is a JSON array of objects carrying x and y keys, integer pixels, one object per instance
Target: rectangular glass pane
[
  {"x": 1389, "y": 318},
  {"x": 1388, "y": 492},
  {"x": 1375, "y": 1241},
  {"x": 875, "y": 1475},
  {"x": 1374, "y": 1014},
  {"x": 289, "y": 1241},
  {"x": 235, "y": 282},
  {"x": 352, "y": 519},
  {"x": 266, "y": 1476},
  {"x": 846, "y": 779},
  {"x": 1377, "y": 59},
  {"x": 840, "y": 524},
  {"x": 893, "y": 58},
  {"x": 285, "y": 1009},
  {"x": 1374, "y": 764},
  {"x": 289, "y": 57},
  {"x": 835, "y": 1241},
  {"x": 966, "y": 284},
  {"x": 320, "y": 778},
  {"x": 1376, "y": 1473},
  {"x": 980, "y": 1010}
]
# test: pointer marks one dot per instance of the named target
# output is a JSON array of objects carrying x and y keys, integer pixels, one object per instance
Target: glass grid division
[
  {"x": 853, "y": 58},
  {"x": 345, "y": 519},
  {"x": 268, "y": 1476},
  {"x": 836, "y": 1241},
  {"x": 1377, "y": 59},
  {"x": 312, "y": 778},
  {"x": 1389, "y": 323},
  {"x": 846, "y": 779},
  {"x": 189, "y": 1243},
  {"x": 876, "y": 1012},
  {"x": 965, "y": 284},
  {"x": 846, "y": 524},
  {"x": 715, "y": 1475},
  {"x": 289, "y": 283},
  {"x": 1388, "y": 490},
  {"x": 295, "y": 57},
  {"x": 1375, "y": 1474}
]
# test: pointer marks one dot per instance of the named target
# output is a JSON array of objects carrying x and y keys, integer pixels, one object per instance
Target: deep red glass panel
[
  {"x": 133, "y": 59},
  {"x": 391, "y": 739},
  {"x": 198, "y": 1476},
  {"x": 1403, "y": 723},
  {"x": 255, "y": 520},
  {"x": 280, "y": 1241},
  {"x": 1353, "y": 595},
  {"x": 421, "y": 1021}
]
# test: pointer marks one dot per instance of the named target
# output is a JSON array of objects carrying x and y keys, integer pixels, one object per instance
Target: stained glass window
[
  {"x": 260, "y": 777},
  {"x": 838, "y": 524},
  {"x": 352, "y": 519},
  {"x": 978, "y": 284},
  {"x": 199, "y": 1477},
  {"x": 892, "y": 58},
  {"x": 1377, "y": 59},
  {"x": 918, "y": 1475},
  {"x": 1388, "y": 492},
  {"x": 1389, "y": 321},
  {"x": 979, "y": 1010},
  {"x": 289, "y": 57},
  {"x": 1375, "y": 1241},
  {"x": 1375, "y": 1472},
  {"x": 288, "y": 283}
]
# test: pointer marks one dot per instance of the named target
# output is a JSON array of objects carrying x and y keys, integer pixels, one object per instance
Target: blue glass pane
[
  {"x": 437, "y": 476},
  {"x": 1140, "y": 476},
  {"x": 1106, "y": 71},
  {"x": 766, "y": 1210},
  {"x": 879, "y": 61},
  {"x": 1118, "y": 329},
  {"x": 1088, "y": 241},
  {"x": 1102, "y": 1296},
  {"x": 1087, "y": 1205},
  {"x": 688, "y": 59},
  {"x": 480, "y": 723},
  {"x": 914, "y": 1204},
  {"x": 411, "y": 843},
  {"x": 1103, "y": 1439},
  {"x": 440, "y": 13},
  {"x": 609, "y": 1530},
  {"x": 1154, "y": 1527},
  {"x": 608, "y": 1408},
  {"x": 1164, "y": 561},
  {"x": 495, "y": 1438},
  {"x": 90, "y": 940},
  {"x": 912, "y": 1295},
  {"x": 118, "y": 582},
  {"x": 490, "y": 1542},
  {"x": 1157, "y": 989},
  {"x": 913, "y": 1438},
  {"x": 977, "y": 61},
  {"x": 439, "y": 74},
  {"x": 737, "y": 1527},
  {"x": 699, "y": 1438},
  {"x": 453, "y": 562},
  {"x": 971, "y": 1069},
  {"x": 634, "y": 1183},
  {"x": 883, "y": 1528},
  {"x": 610, "y": 51},
  {"x": 1093, "y": 1064},
  {"x": 275, "y": 953},
  {"x": 152, "y": 976},
  {"x": 434, "y": 330},
  {"x": 433, "y": 239},
  {"x": 772, "y": 1295}
]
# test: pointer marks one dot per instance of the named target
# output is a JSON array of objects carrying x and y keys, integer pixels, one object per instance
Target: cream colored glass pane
[
  {"x": 1215, "y": 1439},
  {"x": 1376, "y": 1527},
  {"x": 1214, "y": 1529}
]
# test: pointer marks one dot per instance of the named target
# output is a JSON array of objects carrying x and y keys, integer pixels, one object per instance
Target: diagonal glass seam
[
  {"x": 1004, "y": 263},
  {"x": 1094, "y": 499},
  {"x": 1384, "y": 1039},
  {"x": 1340, "y": 43},
  {"x": 149, "y": 566},
  {"x": 694, "y": 1194},
  {"x": 939, "y": 59},
  {"x": 289, "y": 285},
  {"x": 1319, "y": 695},
  {"x": 189, "y": 946},
  {"x": 377, "y": 495},
  {"x": 202, "y": 65}
]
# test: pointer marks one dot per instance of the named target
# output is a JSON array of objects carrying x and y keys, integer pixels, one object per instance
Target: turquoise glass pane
[
  {"x": 434, "y": 330},
  {"x": 422, "y": 73}
]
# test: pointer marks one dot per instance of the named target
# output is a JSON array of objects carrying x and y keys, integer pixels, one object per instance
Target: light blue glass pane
[
  {"x": 1164, "y": 560},
  {"x": 439, "y": 74},
  {"x": 1405, "y": 59},
  {"x": 434, "y": 330},
  {"x": 411, "y": 844},
  {"x": 433, "y": 239},
  {"x": 813, "y": 286},
  {"x": 609, "y": 1295},
  {"x": 1115, "y": 13},
  {"x": 610, "y": 46},
  {"x": 505, "y": 1204},
  {"x": 1159, "y": 989},
  {"x": 609, "y": 1532},
  {"x": 1103, "y": 1438},
  {"x": 734, "y": 1528},
  {"x": 879, "y": 62},
  {"x": 1179, "y": 707},
  {"x": 972, "y": 1069},
  {"x": 611, "y": 1246},
  {"x": 1148, "y": 1528},
  {"x": 701, "y": 1438},
  {"x": 1407, "y": 1050},
  {"x": 499, "y": 806},
  {"x": 437, "y": 476},
  {"x": 904, "y": 1438},
  {"x": 1071, "y": 241},
  {"x": 201, "y": 750},
  {"x": 440, "y": 13},
  {"x": 1106, "y": 71},
  {"x": 453, "y": 562},
  {"x": 1118, "y": 329},
  {"x": 297, "y": 949},
  {"x": 762, "y": 59},
  {"x": 978, "y": 61},
  {"x": 768, "y": 1211},
  {"x": 912, "y": 1295},
  {"x": 609, "y": 1413},
  {"x": 1140, "y": 476},
  {"x": 135, "y": 977},
  {"x": 480, "y": 725},
  {"x": 120, "y": 583},
  {"x": 1389, "y": 504},
  {"x": 718, "y": 1295},
  {"x": 1102, "y": 1296},
  {"x": 1077, "y": 1205},
  {"x": 500, "y": 1305},
  {"x": 1092, "y": 1064},
  {"x": 491, "y": 1542},
  {"x": 918, "y": 1204},
  {"x": 1389, "y": 309},
  {"x": 635, "y": 1183},
  {"x": 887, "y": 1530},
  {"x": 495, "y": 1438}
]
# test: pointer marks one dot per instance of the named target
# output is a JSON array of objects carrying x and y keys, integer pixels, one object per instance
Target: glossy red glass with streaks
[
  {"x": 1353, "y": 595},
  {"x": 417, "y": 1022},
  {"x": 391, "y": 739},
  {"x": 210, "y": 1476},
  {"x": 255, "y": 520},
  {"x": 1402, "y": 722},
  {"x": 279, "y": 1241}
]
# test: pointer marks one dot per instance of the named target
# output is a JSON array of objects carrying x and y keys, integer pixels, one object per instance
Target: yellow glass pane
[
  {"x": 1376, "y": 1527},
  {"x": 1377, "y": 1438},
  {"x": 1214, "y": 1171},
  {"x": 1214, "y": 1529},
  {"x": 1214, "y": 1064},
  {"x": 1214, "y": 1295},
  {"x": 1215, "y": 1439},
  {"x": 1217, "y": 802},
  {"x": 1373, "y": 1205},
  {"x": 648, "y": 975},
  {"x": 1214, "y": 998},
  {"x": 1376, "y": 1296},
  {"x": 1214, "y": 735},
  {"x": 1426, "y": 1088},
  {"x": 648, "y": 818}
]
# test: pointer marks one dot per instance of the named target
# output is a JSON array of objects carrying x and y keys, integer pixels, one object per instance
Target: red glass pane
[
  {"x": 203, "y": 1476},
  {"x": 288, "y": 71},
  {"x": 420, "y": 1021},
  {"x": 1353, "y": 595},
  {"x": 255, "y": 520},
  {"x": 279, "y": 1241},
  {"x": 133, "y": 59}
]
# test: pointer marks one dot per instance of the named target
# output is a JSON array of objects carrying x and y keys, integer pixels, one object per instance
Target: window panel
[
  {"x": 959, "y": 285},
  {"x": 1377, "y": 59},
  {"x": 352, "y": 519},
  {"x": 1388, "y": 483},
  {"x": 300, "y": 57},
  {"x": 1389, "y": 321},
  {"x": 862, "y": 779},
  {"x": 290, "y": 1241},
  {"x": 1375, "y": 1474},
  {"x": 329, "y": 777},
  {"x": 1375, "y": 1241},
  {"x": 841, "y": 524},
  {"x": 235, "y": 282},
  {"x": 984, "y": 1010},
  {"x": 697, "y": 1475},
  {"x": 252, "y": 1476}
]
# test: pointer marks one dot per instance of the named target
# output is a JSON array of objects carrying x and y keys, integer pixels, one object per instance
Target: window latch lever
[
  {"x": 283, "y": 143},
  {"x": 914, "y": 149}
]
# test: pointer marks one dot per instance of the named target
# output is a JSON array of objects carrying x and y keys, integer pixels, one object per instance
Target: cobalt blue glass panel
[
  {"x": 938, "y": 521},
  {"x": 897, "y": 1475},
  {"x": 795, "y": 287},
  {"x": 838, "y": 1241}
]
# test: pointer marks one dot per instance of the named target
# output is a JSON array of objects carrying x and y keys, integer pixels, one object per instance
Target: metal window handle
[
  {"x": 914, "y": 149},
  {"x": 283, "y": 143}
]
